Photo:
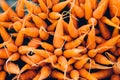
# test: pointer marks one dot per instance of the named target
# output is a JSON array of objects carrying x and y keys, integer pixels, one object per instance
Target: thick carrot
[
  {"x": 58, "y": 32},
  {"x": 103, "y": 60},
  {"x": 73, "y": 32},
  {"x": 49, "y": 3},
  {"x": 43, "y": 6},
  {"x": 100, "y": 10},
  {"x": 88, "y": 9},
  {"x": 99, "y": 40},
  {"x": 20, "y": 8},
  {"x": 54, "y": 15},
  {"x": 4, "y": 53},
  {"x": 3, "y": 75},
  {"x": 6, "y": 24},
  {"x": 12, "y": 68},
  {"x": 42, "y": 15},
  {"x": 76, "y": 42},
  {"x": 34, "y": 42},
  {"x": 84, "y": 73},
  {"x": 43, "y": 33},
  {"x": 94, "y": 4},
  {"x": 55, "y": 1},
  {"x": 60, "y": 6},
  {"x": 17, "y": 25},
  {"x": 74, "y": 74},
  {"x": 104, "y": 30},
  {"x": 4, "y": 16},
  {"x": 102, "y": 74}
]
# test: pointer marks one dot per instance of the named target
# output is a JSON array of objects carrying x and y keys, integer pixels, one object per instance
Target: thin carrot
[
  {"x": 54, "y": 15},
  {"x": 84, "y": 73},
  {"x": 99, "y": 40},
  {"x": 52, "y": 26},
  {"x": 6, "y": 24}
]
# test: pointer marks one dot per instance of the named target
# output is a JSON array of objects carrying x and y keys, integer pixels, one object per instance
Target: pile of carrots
[{"x": 60, "y": 40}]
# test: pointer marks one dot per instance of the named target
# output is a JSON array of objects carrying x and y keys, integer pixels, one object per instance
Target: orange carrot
[
  {"x": 58, "y": 32},
  {"x": 115, "y": 77},
  {"x": 84, "y": 73},
  {"x": 102, "y": 74},
  {"x": 4, "y": 53},
  {"x": 88, "y": 9},
  {"x": 74, "y": 74},
  {"x": 42, "y": 15},
  {"x": 33, "y": 44},
  {"x": 20, "y": 8},
  {"x": 94, "y": 4},
  {"x": 54, "y": 15},
  {"x": 3, "y": 75},
  {"x": 6, "y": 24},
  {"x": 104, "y": 30},
  {"x": 17, "y": 25},
  {"x": 12, "y": 68},
  {"x": 100, "y": 10},
  {"x": 49, "y": 3}
]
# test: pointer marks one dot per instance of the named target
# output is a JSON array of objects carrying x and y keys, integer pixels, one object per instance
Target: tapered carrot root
[
  {"x": 104, "y": 30},
  {"x": 84, "y": 73},
  {"x": 4, "y": 53},
  {"x": 100, "y": 10},
  {"x": 58, "y": 32},
  {"x": 102, "y": 60},
  {"x": 102, "y": 74},
  {"x": 58, "y": 7},
  {"x": 74, "y": 74},
  {"x": 12, "y": 68}
]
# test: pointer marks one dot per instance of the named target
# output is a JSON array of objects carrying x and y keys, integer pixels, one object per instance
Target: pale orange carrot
[
  {"x": 4, "y": 53},
  {"x": 3, "y": 75},
  {"x": 74, "y": 74}
]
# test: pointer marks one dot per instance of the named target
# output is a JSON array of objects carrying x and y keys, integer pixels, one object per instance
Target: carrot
[
  {"x": 4, "y": 34},
  {"x": 58, "y": 32},
  {"x": 4, "y": 53},
  {"x": 60, "y": 6},
  {"x": 102, "y": 60},
  {"x": 74, "y": 74},
  {"x": 93, "y": 65},
  {"x": 27, "y": 60},
  {"x": 19, "y": 38},
  {"x": 43, "y": 15},
  {"x": 104, "y": 30},
  {"x": 33, "y": 9},
  {"x": 2, "y": 75},
  {"x": 88, "y": 9},
  {"x": 84, "y": 49},
  {"x": 110, "y": 56},
  {"x": 84, "y": 73},
  {"x": 32, "y": 32},
  {"x": 91, "y": 39},
  {"x": 100, "y": 10},
  {"x": 55, "y": 1},
  {"x": 12, "y": 68},
  {"x": 116, "y": 68},
  {"x": 108, "y": 22},
  {"x": 102, "y": 74},
  {"x": 17, "y": 25},
  {"x": 43, "y": 7},
  {"x": 20, "y": 8},
  {"x": 72, "y": 52},
  {"x": 34, "y": 42},
  {"x": 111, "y": 42},
  {"x": 44, "y": 72},
  {"x": 71, "y": 61},
  {"x": 94, "y": 4},
  {"x": 54, "y": 15},
  {"x": 84, "y": 28},
  {"x": 99, "y": 40},
  {"x": 79, "y": 64},
  {"x": 92, "y": 21},
  {"x": 35, "y": 58},
  {"x": 52, "y": 26},
  {"x": 73, "y": 32},
  {"x": 79, "y": 13},
  {"x": 76, "y": 42},
  {"x": 49, "y": 3},
  {"x": 28, "y": 75},
  {"x": 4, "y": 16},
  {"x": 63, "y": 62},
  {"x": 115, "y": 77},
  {"x": 38, "y": 21},
  {"x": 58, "y": 75},
  {"x": 6, "y": 24},
  {"x": 43, "y": 33}
]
